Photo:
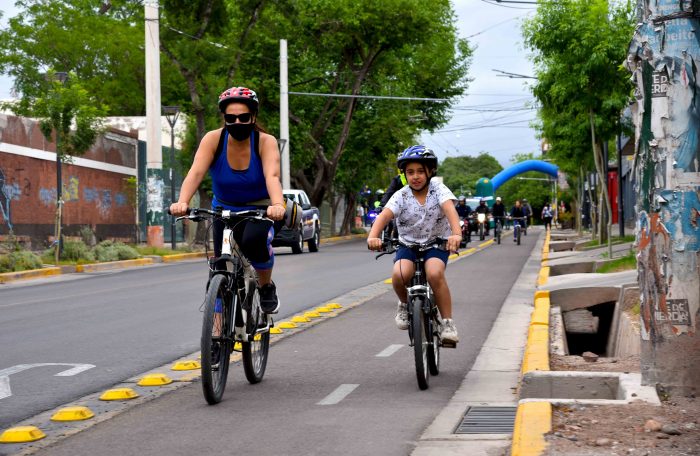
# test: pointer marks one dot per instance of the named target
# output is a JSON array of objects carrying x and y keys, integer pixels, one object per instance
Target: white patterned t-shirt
[{"x": 418, "y": 223}]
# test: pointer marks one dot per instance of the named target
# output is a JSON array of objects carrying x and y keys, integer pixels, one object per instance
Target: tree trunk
[
  {"x": 579, "y": 192},
  {"x": 349, "y": 216},
  {"x": 667, "y": 166},
  {"x": 598, "y": 158}
]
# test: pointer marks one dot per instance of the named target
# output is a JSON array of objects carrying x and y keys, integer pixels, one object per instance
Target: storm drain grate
[{"x": 487, "y": 420}]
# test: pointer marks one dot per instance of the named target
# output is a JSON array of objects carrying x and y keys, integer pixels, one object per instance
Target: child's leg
[
  {"x": 435, "y": 270},
  {"x": 401, "y": 277}
]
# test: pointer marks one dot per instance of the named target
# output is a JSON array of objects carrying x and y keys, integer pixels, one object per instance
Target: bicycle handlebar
[
  {"x": 393, "y": 244},
  {"x": 198, "y": 214}
]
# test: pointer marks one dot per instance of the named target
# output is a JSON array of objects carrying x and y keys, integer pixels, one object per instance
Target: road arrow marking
[{"x": 6, "y": 391}]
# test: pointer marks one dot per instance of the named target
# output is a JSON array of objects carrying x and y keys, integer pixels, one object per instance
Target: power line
[{"x": 375, "y": 97}]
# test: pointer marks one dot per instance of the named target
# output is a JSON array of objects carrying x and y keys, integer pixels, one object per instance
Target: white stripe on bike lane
[
  {"x": 388, "y": 351},
  {"x": 339, "y": 394}
]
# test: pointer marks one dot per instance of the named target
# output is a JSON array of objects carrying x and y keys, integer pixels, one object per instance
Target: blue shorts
[{"x": 404, "y": 253}]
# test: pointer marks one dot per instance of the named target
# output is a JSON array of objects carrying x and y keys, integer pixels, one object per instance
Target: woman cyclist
[
  {"x": 424, "y": 210},
  {"x": 244, "y": 164}
]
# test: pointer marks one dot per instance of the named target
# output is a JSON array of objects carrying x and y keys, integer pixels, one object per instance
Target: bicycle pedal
[{"x": 448, "y": 344}]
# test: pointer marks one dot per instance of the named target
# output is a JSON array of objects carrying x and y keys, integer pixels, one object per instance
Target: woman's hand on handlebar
[
  {"x": 178, "y": 209},
  {"x": 374, "y": 244},
  {"x": 453, "y": 242},
  {"x": 275, "y": 212}
]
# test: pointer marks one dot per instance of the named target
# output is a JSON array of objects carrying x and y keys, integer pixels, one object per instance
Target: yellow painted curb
[
  {"x": 536, "y": 355},
  {"x": 21, "y": 434},
  {"x": 545, "y": 256},
  {"x": 468, "y": 251},
  {"x": 186, "y": 365},
  {"x": 30, "y": 274},
  {"x": 182, "y": 256},
  {"x": 542, "y": 294},
  {"x": 532, "y": 421},
  {"x": 543, "y": 276},
  {"x": 72, "y": 414},
  {"x": 484, "y": 244},
  {"x": 540, "y": 316},
  {"x": 343, "y": 238},
  {"x": 155, "y": 380},
  {"x": 287, "y": 325},
  {"x": 113, "y": 265},
  {"x": 119, "y": 394}
]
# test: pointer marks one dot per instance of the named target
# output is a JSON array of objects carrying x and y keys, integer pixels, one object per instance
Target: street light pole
[
  {"x": 61, "y": 77},
  {"x": 172, "y": 113}
]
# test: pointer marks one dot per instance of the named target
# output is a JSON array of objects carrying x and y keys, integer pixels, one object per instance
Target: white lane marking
[
  {"x": 388, "y": 351},
  {"x": 6, "y": 391},
  {"x": 338, "y": 395}
]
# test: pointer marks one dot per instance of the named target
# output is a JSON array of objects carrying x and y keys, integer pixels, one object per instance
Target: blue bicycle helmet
[{"x": 417, "y": 153}]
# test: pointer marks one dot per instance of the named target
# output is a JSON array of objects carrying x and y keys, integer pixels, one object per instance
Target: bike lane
[{"x": 346, "y": 386}]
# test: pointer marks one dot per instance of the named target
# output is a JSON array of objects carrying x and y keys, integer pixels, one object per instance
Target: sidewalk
[{"x": 494, "y": 378}]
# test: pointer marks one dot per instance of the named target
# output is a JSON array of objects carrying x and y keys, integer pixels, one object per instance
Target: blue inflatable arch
[{"x": 523, "y": 167}]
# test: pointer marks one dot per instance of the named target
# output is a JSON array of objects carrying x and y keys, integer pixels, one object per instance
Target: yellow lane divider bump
[
  {"x": 312, "y": 315},
  {"x": 483, "y": 244},
  {"x": 237, "y": 346},
  {"x": 119, "y": 394},
  {"x": 155, "y": 380},
  {"x": 388, "y": 280},
  {"x": 257, "y": 337},
  {"x": 300, "y": 319},
  {"x": 276, "y": 330},
  {"x": 287, "y": 325},
  {"x": 21, "y": 434},
  {"x": 335, "y": 305},
  {"x": 186, "y": 365},
  {"x": 72, "y": 414},
  {"x": 323, "y": 309},
  {"x": 453, "y": 256}
]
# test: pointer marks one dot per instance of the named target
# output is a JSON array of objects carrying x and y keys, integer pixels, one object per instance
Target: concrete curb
[
  {"x": 96, "y": 267},
  {"x": 182, "y": 257},
  {"x": 343, "y": 238},
  {"x": 534, "y": 419},
  {"x": 30, "y": 274}
]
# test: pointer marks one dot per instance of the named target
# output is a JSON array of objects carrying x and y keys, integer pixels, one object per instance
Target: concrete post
[
  {"x": 664, "y": 56},
  {"x": 154, "y": 152}
]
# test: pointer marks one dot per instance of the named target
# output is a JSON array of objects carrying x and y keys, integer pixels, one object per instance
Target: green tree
[
  {"x": 461, "y": 173},
  {"x": 69, "y": 117},
  {"x": 579, "y": 47}
]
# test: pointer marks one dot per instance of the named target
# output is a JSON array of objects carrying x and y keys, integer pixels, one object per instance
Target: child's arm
[
  {"x": 455, "y": 238},
  {"x": 373, "y": 241}
]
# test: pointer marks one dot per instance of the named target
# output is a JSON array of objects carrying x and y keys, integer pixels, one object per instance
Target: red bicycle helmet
[{"x": 239, "y": 95}]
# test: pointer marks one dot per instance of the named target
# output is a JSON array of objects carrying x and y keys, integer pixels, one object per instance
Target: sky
[{"x": 500, "y": 103}]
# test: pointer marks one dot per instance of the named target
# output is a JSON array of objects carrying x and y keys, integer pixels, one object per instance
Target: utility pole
[
  {"x": 284, "y": 115},
  {"x": 154, "y": 152},
  {"x": 663, "y": 55}
]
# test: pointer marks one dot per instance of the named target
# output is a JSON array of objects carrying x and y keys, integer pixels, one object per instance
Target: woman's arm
[
  {"x": 270, "y": 156},
  {"x": 202, "y": 161}
]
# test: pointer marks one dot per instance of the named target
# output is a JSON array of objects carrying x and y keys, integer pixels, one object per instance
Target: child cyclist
[{"x": 424, "y": 210}]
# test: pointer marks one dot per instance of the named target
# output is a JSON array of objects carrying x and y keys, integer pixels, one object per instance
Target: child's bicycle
[
  {"x": 423, "y": 317},
  {"x": 232, "y": 314},
  {"x": 518, "y": 228}
]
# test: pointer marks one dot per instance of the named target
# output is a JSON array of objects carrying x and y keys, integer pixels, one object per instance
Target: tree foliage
[{"x": 461, "y": 173}]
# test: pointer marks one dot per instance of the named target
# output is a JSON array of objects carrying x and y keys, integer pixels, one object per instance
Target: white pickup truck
[{"x": 309, "y": 230}]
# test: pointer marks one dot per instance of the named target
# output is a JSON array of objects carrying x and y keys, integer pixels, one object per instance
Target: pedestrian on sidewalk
[{"x": 547, "y": 216}]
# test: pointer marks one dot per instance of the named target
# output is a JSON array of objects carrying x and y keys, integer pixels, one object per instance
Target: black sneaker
[{"x": 269, "y": 303}]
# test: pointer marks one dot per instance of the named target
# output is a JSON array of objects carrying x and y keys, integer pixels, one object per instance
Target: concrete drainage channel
[{"x": 576, "y": 312}]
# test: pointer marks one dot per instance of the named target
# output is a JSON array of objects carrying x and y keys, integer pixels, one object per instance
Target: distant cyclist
[
  {"x": 424, "y": 210},
  {"x": 499, "y": 211},
  {"x": 244, "y": 164},
  {"x": 517, "y": 213}
]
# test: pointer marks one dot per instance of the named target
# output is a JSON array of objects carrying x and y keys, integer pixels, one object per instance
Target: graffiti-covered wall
[
  {"x": 95, "y": 192},
  {"x": 664, "y": 60}
]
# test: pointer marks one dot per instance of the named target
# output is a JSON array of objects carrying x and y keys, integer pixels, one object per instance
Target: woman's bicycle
[
  {"x": 231, "y": 307},
  {"x": 423, "y": 316}
]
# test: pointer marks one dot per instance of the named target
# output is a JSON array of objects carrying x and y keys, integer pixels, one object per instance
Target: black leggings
[{"x": 254, "y": 237}]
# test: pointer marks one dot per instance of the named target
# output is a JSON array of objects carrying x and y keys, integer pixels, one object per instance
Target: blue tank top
[{"x": 237, "y": 186}]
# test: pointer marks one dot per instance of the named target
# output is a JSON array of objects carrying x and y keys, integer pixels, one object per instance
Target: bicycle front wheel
[
  {"x": 255, "y": 351},
  {"x": 216, "y": 338},
  {"x": 420, "y": 342}
]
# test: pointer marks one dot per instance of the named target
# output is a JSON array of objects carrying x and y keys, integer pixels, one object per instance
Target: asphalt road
[
  {"x": 325, "y": 391},
  {"x": 120, "y": 324}
]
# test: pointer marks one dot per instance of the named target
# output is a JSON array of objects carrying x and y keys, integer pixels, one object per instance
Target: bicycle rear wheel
[
  {"x": 519, "y": 233},
  {"x": 420, "y": 345},
  {"x": 432, "y": 329},
  {"x": 255, "y": 351},
  {"x": 216, "y": 338}
]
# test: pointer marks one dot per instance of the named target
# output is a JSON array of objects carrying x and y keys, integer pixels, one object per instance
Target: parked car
[{"x": 309, "y": 230}]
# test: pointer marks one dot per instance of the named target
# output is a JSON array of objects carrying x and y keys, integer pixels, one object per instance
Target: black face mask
[{"x": 240, "y": 131}]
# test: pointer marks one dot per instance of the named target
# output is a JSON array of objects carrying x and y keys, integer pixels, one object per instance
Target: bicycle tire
[
  {"x": 214, "y": 374},
  {"x": 498, "y": 232},
  {"x": 519, "y": 233},
  {"x": 434, "y": 348},
  {"x": 481, "y": 231},
  {"x": 420, "y": 347},
  {"x": 255, "y": 352}
]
